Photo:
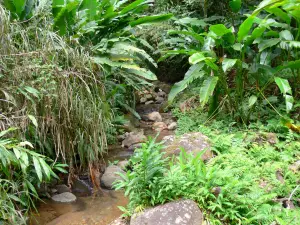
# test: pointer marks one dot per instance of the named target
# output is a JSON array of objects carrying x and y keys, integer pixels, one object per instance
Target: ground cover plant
[{"x": 251, "y": 180}]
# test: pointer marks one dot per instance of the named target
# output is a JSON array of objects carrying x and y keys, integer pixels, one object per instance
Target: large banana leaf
[
  {"x": 207, "y": 89},
  {"x": 192, "y": 74}
]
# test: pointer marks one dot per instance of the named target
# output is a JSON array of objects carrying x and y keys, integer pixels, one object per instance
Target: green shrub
[
  {"x": 21, "y": 171},
  {"x": 238, "y": 186}
]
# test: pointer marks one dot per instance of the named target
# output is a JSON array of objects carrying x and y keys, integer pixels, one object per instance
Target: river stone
[
  {"x": 159, "y": 126},
  {"x": 110, "y": 176},
  {"x": 62, "y": 188},
  {"x": 191, "y": 142},
  {"x": 119, "y": 221},
  {"x": 123, "y": 164},
  {"x": 149, "y": 102},
  {"x": 66, "y": 197},
  {"x": 134, "y": 138},
  {"x": 132, "y": 148},
  {"x": 183, "y": 212},
  {"x": 159, "y": 100},
  {"x": 143, "y": 100},
  {"x": 154, "y": 116},
  {"x": 172, "y": 126}
]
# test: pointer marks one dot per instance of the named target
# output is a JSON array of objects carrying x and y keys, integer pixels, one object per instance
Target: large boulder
[
  {"x": 110, "y": 176},
  {"x": 183, "y": 212},
  {"x": 134, "y": 138},
  {"x": 190, "y": 142},
  {"x": 66, "y": 197}
]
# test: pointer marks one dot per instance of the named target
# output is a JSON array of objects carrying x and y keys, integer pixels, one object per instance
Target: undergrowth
[{"x": 249, "y": 181}]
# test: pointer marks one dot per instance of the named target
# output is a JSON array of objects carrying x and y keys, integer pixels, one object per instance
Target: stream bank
[{"x": 103, "y": 209}]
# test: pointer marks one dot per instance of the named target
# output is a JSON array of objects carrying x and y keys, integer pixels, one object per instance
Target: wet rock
[
  {"x": 134, "y": 138},
  {"x": 295, "y": 167},
  {"x": 279, "y": 176},
  {"x": 134, "y": 146},
  {"x": 82, "y": 187},
  {"x": 149, "y": 97},
  {"x": 262, "y": 138},
  {"x": 149, "y": 102},
  {"x": 159, "y": 126},
  {"x": 188, "y": 104},
  {"x": 66, "y": 197},
  {"x": 159, "y": 100},
  {"x": 143, "y": 100},
  {"x": 288, "y": 204},
  {"x": 110, "y": 176},
  {"x": 271, "y": 138},
  {"x": 161, "y": 94},
  {"x": 154, "y": 116},
  {"x": 120, "y": 221},
  {"x": 183, "y": 212},
  {"x": 62, "y": 188},
  {"x": 123, "y": 164},
  {"x": 172, "y": 126},
  {"x": 190, "y": 142},
  {"x": 54, "y": 191}
]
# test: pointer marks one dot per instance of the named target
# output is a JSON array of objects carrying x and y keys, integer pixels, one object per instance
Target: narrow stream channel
[{"x": 98, "y": 210}]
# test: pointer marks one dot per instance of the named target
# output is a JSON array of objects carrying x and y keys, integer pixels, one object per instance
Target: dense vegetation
[{"x": 69, "y": 70}]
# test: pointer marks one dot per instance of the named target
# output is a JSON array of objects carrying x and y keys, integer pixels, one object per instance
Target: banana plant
[
  {"x": 109, "y": 25},
  {"x": 242, "y": 65}
]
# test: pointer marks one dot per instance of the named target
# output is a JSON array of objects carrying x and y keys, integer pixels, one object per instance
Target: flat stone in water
[{"x": 66, "y": 197}]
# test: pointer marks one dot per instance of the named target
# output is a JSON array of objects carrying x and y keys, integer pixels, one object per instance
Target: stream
[{"x": 103, "y": 209}]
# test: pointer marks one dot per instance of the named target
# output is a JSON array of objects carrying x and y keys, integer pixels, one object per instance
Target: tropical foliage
[
  {"x": 238, "y": 186},
  {"x": 241, "y": 64}
]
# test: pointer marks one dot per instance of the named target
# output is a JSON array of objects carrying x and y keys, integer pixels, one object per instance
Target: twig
[
  {"x": 20, "y": 54},
  {"x": 293, "y": 192}
]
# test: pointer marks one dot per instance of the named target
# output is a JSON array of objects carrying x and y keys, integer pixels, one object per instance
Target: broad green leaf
[
  {"x": 188, "y": 33},
  {"x": 219, "y": 29},
  {"x": 193, "y": 73},
  {"x": 24, "y": 158},
  {"x": 151, "y": 19},
  {"x": 17, "y": 153},
  {"x": 197, "y": 57},
  {"x": 33, "y": 120},
  {"x": 245, "y": 28},
  {"x": 46, "y": 168},
  {"x": 290, "y": 64},
  {"x": 37, "y": 167},
  {"x": 265, "y": 5},
  {"x": 91, "y": 6},
  {"x": 286, "y": 35},
  {"x": 132, "y": 6},
  {"x": 280, "y": 13},
  {"x": 207, "y": 89},
  {"x": 142, "y": 73},
  {"x": 33, "y": 91},
  {"x": 265, "y": 58},
  {"x": 227, "y": 64},
  {"x": 2, "y": 133},
  {"x": 252, "y": 101},
  {"x": 289, "y": 101},
  {"x": 268, "y": 43},
  {"x": 25, "y": 143},
  {"x": 283, "y": 85},
  {"x": 235, "y": 5},
  {"x": 211, "y": 64},
  {"x": 19, "y": 5},
  {"x": 192, "y": 22}
]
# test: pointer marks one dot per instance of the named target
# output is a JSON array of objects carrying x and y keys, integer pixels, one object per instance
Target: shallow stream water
[{"x": 96, "y": 210}]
